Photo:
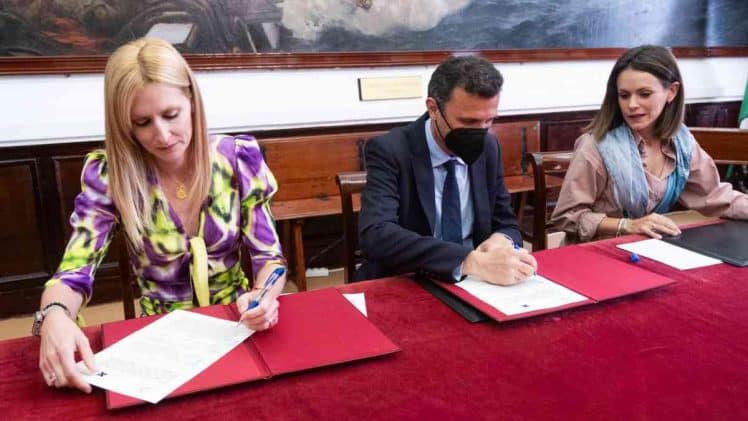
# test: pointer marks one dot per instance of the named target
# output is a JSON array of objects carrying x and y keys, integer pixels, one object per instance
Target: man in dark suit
[{"x": 435, "y": 200}]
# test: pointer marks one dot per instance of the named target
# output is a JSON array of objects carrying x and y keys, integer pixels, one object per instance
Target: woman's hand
[
  {"x": 262, "y": 317},
  {"x": 61, "y": 338},
  {"x": 653, "y": 225}
]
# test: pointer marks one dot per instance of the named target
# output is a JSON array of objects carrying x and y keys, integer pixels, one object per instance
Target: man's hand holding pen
[{"x": 499, "y": 261}]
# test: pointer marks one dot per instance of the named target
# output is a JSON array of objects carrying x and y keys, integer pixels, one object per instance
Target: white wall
[{"x": 59, "y": 108}]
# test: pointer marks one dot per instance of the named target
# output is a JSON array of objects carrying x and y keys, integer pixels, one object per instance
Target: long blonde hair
[{"x": 132, "y": 66}]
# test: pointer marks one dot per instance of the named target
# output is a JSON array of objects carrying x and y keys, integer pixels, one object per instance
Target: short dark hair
[
  {"x": 660, "y": 63},
  {"x": 474, "y": 74}
]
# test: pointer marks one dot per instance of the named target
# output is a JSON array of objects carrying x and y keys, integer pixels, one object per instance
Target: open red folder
[
  {"x": 315, "y": 329},
  {"x": 593, "y": 275}
]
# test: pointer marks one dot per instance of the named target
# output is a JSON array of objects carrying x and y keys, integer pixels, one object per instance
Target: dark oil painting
[{"x": 95, "y": 27}]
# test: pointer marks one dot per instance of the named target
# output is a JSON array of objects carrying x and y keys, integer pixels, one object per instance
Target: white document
[
  {"x": 669, "y": 254},
  {"x": 358, "y": 301},
  {"x": 534, "y": 293},
  {"x": 155, "y": 360}
]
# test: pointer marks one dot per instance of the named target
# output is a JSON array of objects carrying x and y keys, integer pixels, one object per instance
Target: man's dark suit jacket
[{"x": 397, "y": 209}]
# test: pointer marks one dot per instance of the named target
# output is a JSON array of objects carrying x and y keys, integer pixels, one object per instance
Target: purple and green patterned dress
[{"x": 236, "y": 211}]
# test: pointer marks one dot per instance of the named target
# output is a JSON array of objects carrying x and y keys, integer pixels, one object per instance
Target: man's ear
[{"x": 432, "y": 107}]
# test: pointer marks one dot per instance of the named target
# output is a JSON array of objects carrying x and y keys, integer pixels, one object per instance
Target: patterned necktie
[{"x": 451, "y": 218}]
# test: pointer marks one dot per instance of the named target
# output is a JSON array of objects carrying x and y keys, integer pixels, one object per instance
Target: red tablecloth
[{"x": 680, "y": 352}]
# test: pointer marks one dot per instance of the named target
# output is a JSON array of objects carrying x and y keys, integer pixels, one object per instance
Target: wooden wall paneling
[
  {"x": 37, "y": 192},
  {"x": 20, "y": 211},
  {"x": 558, "y": 131},
  {"x": 24, "y": 263},
  {"x": 728, "y": 115},
  {"x": 560, "y": 135},
  {"x": 718, "y": 114},
  {"x": 67, "y": 171},
  {"x": 702, "y": 116}
]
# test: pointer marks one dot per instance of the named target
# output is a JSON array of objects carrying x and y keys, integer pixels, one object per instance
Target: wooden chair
[
  {"x": 729, "y": 149},
  {"x": 725, "y": 146},
  {"x": 350, "y": 185},
  {"x": 548, "y": 170},
  {"x": 517, "y": 139},
  {"x": 305, "y": 168}
]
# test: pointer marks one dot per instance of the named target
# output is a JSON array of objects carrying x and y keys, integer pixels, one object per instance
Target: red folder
[
  {"x": 593, "y": 275},
  {"x": 315, "y": 329}
]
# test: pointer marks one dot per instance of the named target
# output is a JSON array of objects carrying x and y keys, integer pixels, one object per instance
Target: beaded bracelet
[{"x": 621, "y": 224}]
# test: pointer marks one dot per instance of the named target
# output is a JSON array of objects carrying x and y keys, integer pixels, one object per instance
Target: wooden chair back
[
  {"x": 350, "y": 184},
  {"x": 517, "y": 139},
  {"x": 548, "y": 170},
  {"x": 305, "y": 168}
]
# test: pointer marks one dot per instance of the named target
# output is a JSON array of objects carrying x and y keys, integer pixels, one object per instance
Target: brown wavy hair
[{"x": 660, "y": 63}]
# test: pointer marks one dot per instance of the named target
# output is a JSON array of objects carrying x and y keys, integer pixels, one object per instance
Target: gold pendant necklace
[{"x": 181, "y": 192}]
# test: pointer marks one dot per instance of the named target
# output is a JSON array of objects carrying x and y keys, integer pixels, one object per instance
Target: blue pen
[
  {"x": 269, "y": 282},
  {"x": 634, "y": 258}
]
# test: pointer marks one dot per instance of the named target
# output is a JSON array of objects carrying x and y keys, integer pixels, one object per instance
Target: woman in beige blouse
[{"x": 637, "y": 159}]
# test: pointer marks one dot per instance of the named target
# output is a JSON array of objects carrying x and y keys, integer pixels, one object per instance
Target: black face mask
[{"x": 466, "y": 143}]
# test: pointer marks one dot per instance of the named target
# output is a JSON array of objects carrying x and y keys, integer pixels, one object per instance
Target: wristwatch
[{"x": 39, "y": 316}]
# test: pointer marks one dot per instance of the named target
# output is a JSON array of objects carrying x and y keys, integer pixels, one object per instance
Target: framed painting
[{"x": 75, "y": 36}]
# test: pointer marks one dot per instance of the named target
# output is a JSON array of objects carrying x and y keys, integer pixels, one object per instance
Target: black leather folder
[
  {"x": 470, "y": 313},
  {"x": 726, "y": 241}
]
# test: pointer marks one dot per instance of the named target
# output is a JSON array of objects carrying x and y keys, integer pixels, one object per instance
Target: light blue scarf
[{"x": 624, "y": 165}]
